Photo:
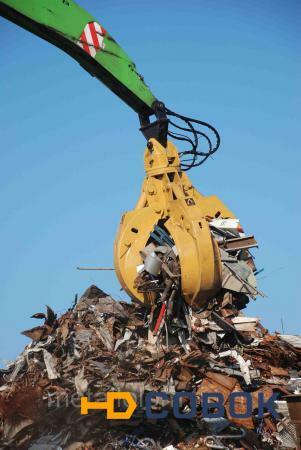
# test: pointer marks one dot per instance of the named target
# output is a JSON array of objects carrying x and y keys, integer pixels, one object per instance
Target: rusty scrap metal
[
  {"x": 102, "y": 345},
  {"x": 240, "y": 243}
]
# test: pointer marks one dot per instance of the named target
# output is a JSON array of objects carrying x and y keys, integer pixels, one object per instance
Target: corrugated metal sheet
[{"x": 294, "y": 340}]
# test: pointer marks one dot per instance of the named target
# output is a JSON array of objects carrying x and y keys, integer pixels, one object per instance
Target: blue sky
[{"x": 71, "y": 156}]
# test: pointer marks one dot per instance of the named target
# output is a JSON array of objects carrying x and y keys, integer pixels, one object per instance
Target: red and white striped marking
[{"x": 92, "y": 38}]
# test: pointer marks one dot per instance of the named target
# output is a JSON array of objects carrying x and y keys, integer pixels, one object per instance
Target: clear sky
[{"x": 71, "y": 156}]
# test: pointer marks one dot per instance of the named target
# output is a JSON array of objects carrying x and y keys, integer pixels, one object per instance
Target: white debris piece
[
  {"x": 243, "y": 365},
  {"x": 127, "y": 334},
  {"x": 140, "y": 268},
  {"x": 80, "y": 382},
  {"x": 242, "y": 323},
  {"x": 231, "y": 226},
  {"x": 50, "y": 363}
]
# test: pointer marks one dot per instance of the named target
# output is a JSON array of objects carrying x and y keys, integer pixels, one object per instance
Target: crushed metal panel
[{"x": 291, "y": 339}]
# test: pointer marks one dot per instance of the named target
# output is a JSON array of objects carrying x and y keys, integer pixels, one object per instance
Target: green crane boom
[
  {"x": 69, "y": 27},
  {"x": 66, "y": 25}
]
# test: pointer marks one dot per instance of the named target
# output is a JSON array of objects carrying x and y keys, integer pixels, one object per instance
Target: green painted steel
[{"x": 62, "y": 23}]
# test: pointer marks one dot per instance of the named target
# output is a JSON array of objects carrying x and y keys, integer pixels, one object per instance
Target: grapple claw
[{"x": 164, "y": 247}]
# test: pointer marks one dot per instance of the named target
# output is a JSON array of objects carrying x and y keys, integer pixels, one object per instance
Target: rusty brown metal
[
  {"x": 240, "y": 243},
  {"x": 101, "y": 345}
]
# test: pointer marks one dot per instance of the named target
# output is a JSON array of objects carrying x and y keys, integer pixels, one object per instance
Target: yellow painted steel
[{"x": 168, "y": 195}]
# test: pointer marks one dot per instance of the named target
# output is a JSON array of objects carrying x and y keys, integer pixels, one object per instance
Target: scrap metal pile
[
  {"x": 159, "y": 278},
  {"x": 101, "y": 345}
]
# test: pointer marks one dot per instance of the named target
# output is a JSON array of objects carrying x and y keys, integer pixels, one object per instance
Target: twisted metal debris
[{"x": 102, "y": 345}]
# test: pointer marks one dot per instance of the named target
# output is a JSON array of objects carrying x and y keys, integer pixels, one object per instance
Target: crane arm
[{"x": 69, "y": 27}]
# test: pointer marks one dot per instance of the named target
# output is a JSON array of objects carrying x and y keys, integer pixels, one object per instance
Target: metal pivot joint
[{"x": 157, "y": 129}]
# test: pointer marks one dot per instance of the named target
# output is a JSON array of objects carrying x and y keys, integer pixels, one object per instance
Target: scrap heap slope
[{"x": 102, "y": 345}]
